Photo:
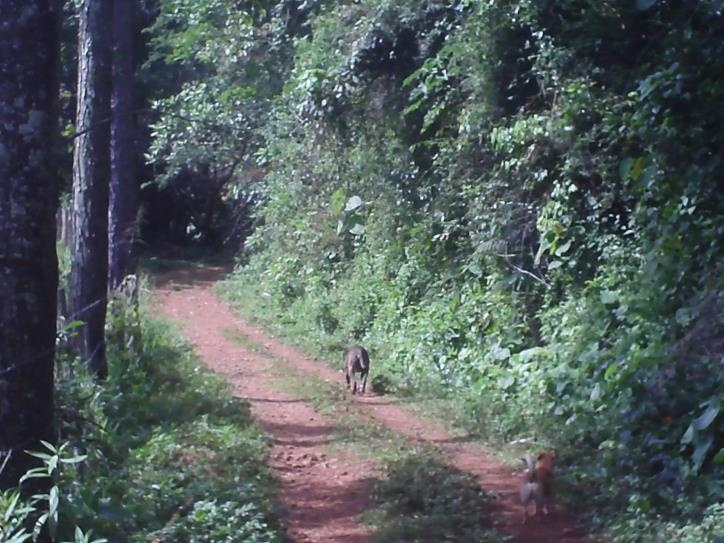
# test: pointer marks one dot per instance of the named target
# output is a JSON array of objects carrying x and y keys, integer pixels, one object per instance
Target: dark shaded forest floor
[{"x": 324, "y": 489}]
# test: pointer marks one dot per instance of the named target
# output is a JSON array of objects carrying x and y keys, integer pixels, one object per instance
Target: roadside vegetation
[
  {"x": 515, "y": 205},
  {"x": 417, "y": 496},
  {"x": 520, "y": 218},
  {"x": 160, "y": 451}
]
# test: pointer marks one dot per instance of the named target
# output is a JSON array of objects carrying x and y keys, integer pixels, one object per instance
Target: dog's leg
[{"x": 364, "y": 381}]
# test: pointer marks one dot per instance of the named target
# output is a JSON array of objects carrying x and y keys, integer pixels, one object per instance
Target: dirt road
[{"x": 323, "y": 492}]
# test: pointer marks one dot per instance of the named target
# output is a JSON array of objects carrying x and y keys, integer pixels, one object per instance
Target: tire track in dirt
[{"x": 323, "y": 495}]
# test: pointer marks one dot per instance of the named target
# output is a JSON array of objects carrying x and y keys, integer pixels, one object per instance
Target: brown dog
[
  {"x": 538, "y": 484},
  {"x": 356, "y": 359}
]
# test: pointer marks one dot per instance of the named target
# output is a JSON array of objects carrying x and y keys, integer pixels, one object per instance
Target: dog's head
[{"x": 546, "y": 458}]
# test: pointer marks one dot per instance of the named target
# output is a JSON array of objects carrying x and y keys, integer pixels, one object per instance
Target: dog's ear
[{"x": 549, "y": 454}]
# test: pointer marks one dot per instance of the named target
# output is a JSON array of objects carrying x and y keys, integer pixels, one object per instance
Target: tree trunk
[
  {"x": 124, "y": 197},
  {"x": 91, "y": 176},
  {"x": 28, "y": 202}
]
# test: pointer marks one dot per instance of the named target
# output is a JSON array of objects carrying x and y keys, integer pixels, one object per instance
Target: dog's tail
[
  {"x": 528, "y": 459},
  {"x": 529, "y": 489},
  {"x": 364, "y": 360}
]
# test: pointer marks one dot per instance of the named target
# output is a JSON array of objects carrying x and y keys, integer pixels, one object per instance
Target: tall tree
[
  {"x": 91, "y": 173},
  {"x": 28, "y": 202},
  {"x": 124, "y": 193}
]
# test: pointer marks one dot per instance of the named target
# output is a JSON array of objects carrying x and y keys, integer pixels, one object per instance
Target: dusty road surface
[{"x": 324, "y": 492}]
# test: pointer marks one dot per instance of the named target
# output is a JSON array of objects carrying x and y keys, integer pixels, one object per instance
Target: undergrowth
[
  {"x": 511, "y": 210},
  {"x": 468, "y": 410},
  {"x": 168, "y": 455},
  {"x": 417, "y": 497}
]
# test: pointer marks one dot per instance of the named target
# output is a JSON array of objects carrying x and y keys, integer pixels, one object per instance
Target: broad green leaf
[
  {"x": 719, "y": 457},
  {"x": 688, "y": 436},
  {"x": 73, "y": 325},
  {"x": 357, "y": 230},
  {"x": 353, "y": 203},
  {"x": 596, "y": 392},
  {"x": 506, "y": 381},
  {"x": 555, "y": 265},
  {"x": 611, "y": 372},
  {"x": 702, "y": 447},
  {"x": 43, "y": 456},
  {"x": 54, "y": 500},
  {"x": 500, "y": 353},
  {"x": 703, "y": 421},
  {"x": 52, "y": 464},
  {"x": 336, "y": 202},
  {"x": 475, "y": 269},
  {"x": 35, "y": 473},
  {"x": 527, "y": 354},
  {"x": 75, "y": 459},
  {"x": 624, "y": 169},
  {"x": 563, "y": 249}
]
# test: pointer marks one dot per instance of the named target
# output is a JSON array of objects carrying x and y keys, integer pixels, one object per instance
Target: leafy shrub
[
  {"x": 708, "y": 530},
  {"x": 215, "y": 522},
  {"x": 160, "y": 435},
  {"x": 535, "y": 233},
  {"x": 29, "y": 518},
  {"x": 177, "y": 468}
]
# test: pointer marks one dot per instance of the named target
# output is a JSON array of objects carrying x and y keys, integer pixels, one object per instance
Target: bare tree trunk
[
  {"x": 28, "y": 202},
  {"x": 124, "y": 195},
  {"x": 91, "y": 176}
]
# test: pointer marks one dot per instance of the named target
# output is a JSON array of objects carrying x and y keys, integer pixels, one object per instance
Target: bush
[
  {"x": 535, "y": 232},
  {"x": 166, "y": 450}
]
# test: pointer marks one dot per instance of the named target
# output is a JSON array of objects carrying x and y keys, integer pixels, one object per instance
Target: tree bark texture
[
  {"x": 124, "y": 197},
  {"x": 28, "y": 202},
  {"x": 91, "y": 177}
]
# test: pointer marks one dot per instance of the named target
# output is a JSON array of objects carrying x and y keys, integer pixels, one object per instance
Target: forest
[{"x": 513, "y": 205}]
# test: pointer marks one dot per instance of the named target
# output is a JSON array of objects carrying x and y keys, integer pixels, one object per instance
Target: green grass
[
  {"x": 172, "y": 456},
  {"x": 234, "y": 335},
  {"x": 417, "y": 497},
  {"x": 438, "y": 406},
  {"x": 259, "y": 308},
  {"x": 458, "y": 412}
]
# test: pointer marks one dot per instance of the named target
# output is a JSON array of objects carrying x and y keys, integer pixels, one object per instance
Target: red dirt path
[{"x": 324, "y": 493}]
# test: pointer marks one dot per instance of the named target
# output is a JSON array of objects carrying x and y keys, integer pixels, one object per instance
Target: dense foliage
[
  {"x": 516, "y": 204},
  {"x": 160, "y": 452}
]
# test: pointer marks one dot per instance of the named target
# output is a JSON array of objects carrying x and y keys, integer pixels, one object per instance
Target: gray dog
[{"x": 356, "y": 359}]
